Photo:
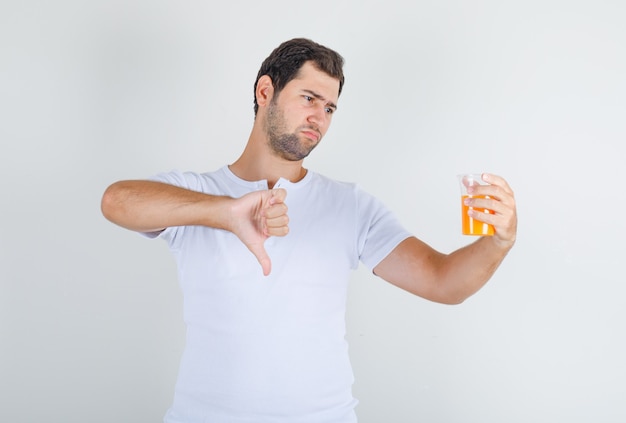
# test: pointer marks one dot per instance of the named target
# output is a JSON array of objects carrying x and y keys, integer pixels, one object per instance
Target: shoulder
[
  {"x": 344, "y": 192},
  {"x": 324, "y": 182}
]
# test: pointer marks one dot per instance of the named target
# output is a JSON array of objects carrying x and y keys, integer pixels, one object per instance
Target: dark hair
[{"x": 284, "y": 63}]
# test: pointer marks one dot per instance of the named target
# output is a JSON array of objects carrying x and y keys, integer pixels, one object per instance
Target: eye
[
  {"x": 308, "y": 98},
  {"x": 330, "y": 110}
]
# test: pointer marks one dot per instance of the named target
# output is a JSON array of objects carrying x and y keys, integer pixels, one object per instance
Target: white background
[{"x": 95, "y": 91}]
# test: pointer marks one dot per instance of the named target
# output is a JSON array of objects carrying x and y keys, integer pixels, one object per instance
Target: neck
[{"x": 258, "y": 162}]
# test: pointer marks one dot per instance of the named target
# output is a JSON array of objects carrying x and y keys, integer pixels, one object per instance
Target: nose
[{"x": 318, "y": 116}]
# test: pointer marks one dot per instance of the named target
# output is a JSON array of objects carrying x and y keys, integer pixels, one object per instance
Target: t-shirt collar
[{"x": 262, "y": 184}]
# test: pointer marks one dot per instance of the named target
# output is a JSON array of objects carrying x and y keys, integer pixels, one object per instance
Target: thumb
[{"x": 263, "y": 258}]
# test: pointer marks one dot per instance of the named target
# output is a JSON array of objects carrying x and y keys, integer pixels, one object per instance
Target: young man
[{"x": 265, "y": 286}]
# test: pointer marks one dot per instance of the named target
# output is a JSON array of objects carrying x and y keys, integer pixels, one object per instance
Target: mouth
[{"x": 312, "y": 134}]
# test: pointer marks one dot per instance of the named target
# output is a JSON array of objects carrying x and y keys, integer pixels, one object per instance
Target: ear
[{"x": 264, "y": 91}]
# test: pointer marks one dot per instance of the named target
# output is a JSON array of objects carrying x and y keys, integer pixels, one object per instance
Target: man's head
[{"x": 285, "y": 62}]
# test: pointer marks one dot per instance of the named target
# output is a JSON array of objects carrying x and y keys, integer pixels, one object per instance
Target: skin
[
  {"x": 452, "y": 278},
  {"x": 288, "y": 126}
]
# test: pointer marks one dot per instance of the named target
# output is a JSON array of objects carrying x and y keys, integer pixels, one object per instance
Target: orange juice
[{"x": 471, "y": 226}]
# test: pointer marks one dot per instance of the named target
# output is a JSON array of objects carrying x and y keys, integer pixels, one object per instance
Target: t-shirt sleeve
[{"x": 379, "y": 230}]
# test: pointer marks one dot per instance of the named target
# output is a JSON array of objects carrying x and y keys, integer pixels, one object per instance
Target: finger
[
  {"x": 278, "y": 195},
  {"x": 496, "y": 205},
  {"x": 497, "y": 180},
  {"x": 503, "y": 220},
  {"x": 278, "y": 226},
  {"x": 504, "y": 227},
  {"x": 275, "y": 211},
  {"x": 493, "y": 192},
  {"x": 483, "y": 208},
  {"x": 276, "y": 220}
]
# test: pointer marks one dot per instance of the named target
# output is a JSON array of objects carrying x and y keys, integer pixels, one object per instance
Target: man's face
[{"x": 298, "y": 117}]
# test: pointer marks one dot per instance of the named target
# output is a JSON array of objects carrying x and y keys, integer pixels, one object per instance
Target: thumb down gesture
[{"x": 255, "y": 217}]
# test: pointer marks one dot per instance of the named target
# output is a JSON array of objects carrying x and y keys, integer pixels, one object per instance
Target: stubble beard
[{"x": 286, "y": 145}]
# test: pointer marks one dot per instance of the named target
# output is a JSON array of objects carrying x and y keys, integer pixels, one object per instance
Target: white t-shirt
[{"x": 272, "y": 349}]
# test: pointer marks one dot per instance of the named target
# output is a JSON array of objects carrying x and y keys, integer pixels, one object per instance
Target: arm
[
  {"x": 148, "y": 206},
  {"x": 451, "y": 278}
]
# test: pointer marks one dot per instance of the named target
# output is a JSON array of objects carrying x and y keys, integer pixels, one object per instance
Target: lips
[{"x": 312, "y": 133}]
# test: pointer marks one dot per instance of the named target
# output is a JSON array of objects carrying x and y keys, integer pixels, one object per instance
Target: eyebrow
[{"x": 321, "y": 98}]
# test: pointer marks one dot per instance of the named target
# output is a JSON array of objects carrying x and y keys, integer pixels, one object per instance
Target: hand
[
  {"x": 255, "y": 217},
  {"x": 501, "y": 201}
]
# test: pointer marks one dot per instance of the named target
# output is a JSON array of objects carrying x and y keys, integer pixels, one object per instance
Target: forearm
[
  {"x": 465, "y": 271},
  {"x": 444, "y": 278},
  {"x": 149, "y": 206}
]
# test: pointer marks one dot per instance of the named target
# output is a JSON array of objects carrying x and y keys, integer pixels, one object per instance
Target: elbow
[
  {"x": 452, "y": 297},
  {"x": 454, "y": 301},
  {"x": 111, "y": 201},
  {"x": 450, "y": 300}
]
